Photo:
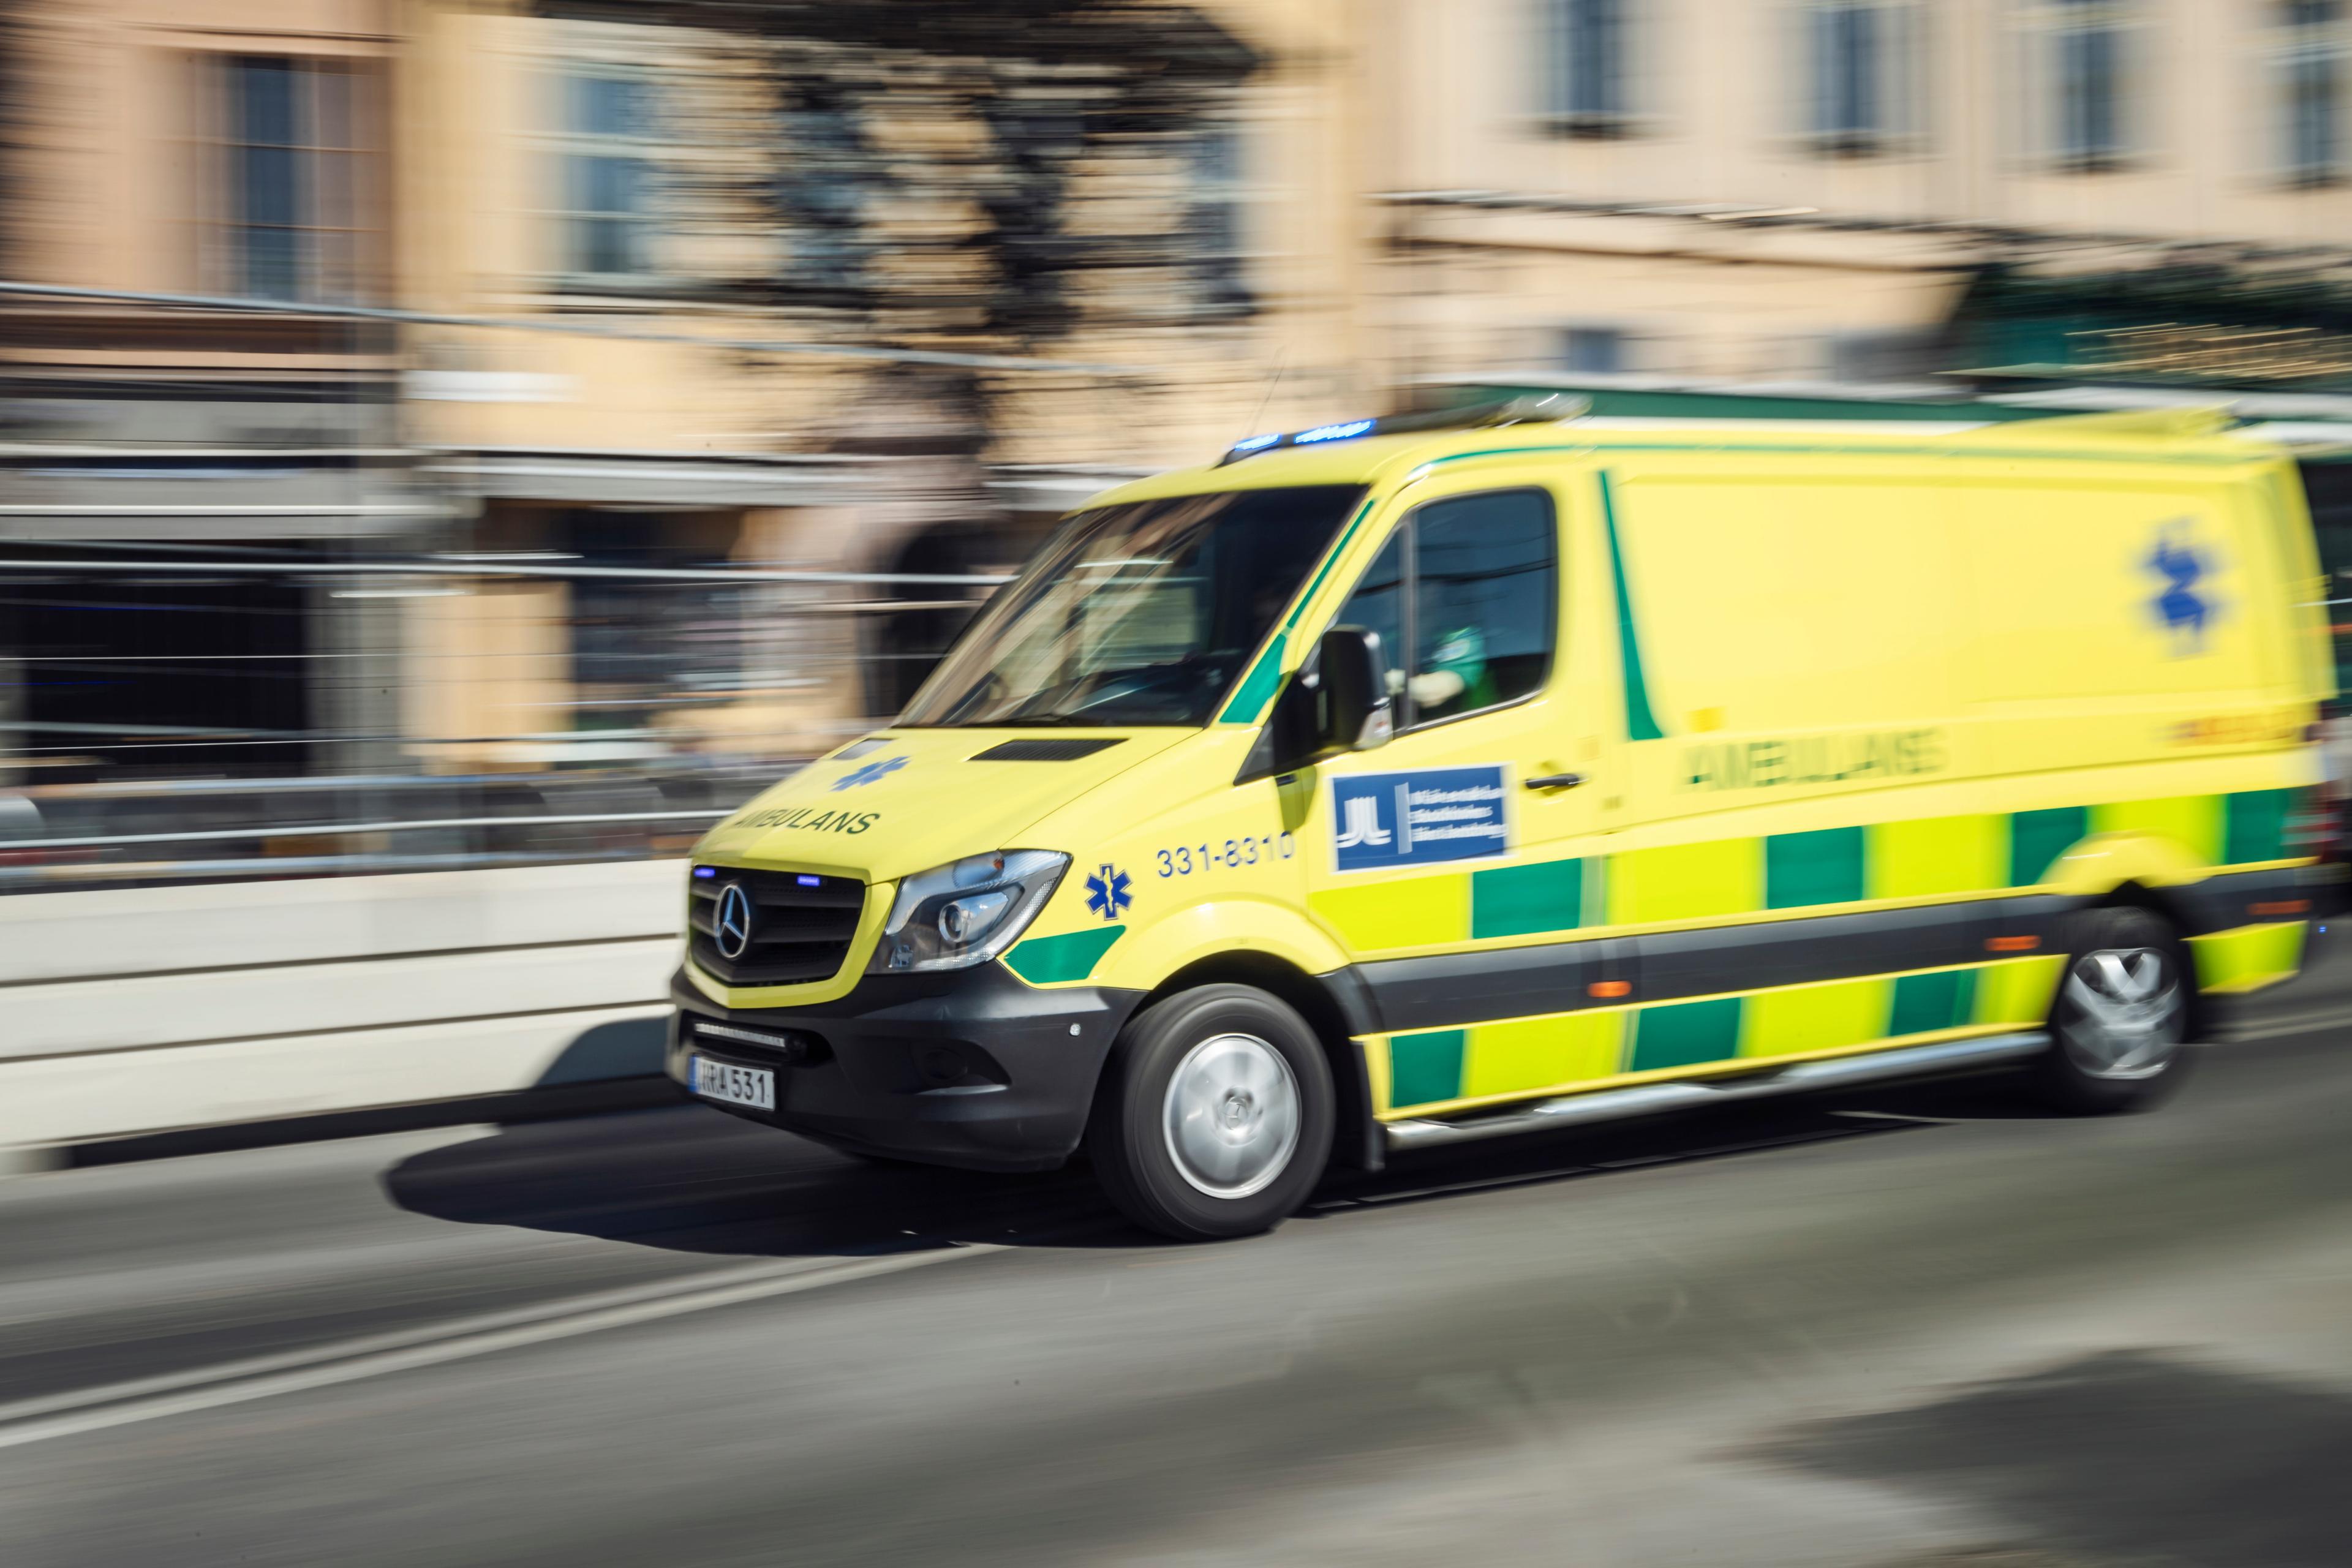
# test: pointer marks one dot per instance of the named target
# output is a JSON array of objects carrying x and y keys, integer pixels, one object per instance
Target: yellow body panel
[
  {"x": 1930, "y": 857},
  {"x": 1814, "y": 1017},
  {"x": 1801, "y": 675},
  {"x": 2250, "y": 957}
]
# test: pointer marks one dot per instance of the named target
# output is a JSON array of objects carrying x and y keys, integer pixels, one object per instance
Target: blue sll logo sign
[
  {"x": 869, "y": 773},
  {"x": 1108, "y": 893},
  {"x": 1411, "y": 819},
  {"x": 2186, "y": 612}
]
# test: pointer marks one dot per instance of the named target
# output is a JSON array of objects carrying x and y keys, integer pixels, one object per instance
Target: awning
[
  {"x": 594, "y": 477},
  {"x": 64, "y": 493}
]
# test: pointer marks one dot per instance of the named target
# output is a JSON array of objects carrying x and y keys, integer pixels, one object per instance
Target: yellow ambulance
[{"x": 1398, "y": 783}]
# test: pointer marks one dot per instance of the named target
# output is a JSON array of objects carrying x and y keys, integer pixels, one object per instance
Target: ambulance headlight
[
  {"x": 968, "y": 919},
  {"x": 968, "y": 911}
]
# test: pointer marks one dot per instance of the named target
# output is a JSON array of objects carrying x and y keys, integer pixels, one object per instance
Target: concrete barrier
[{"x": 151, "y": 1010}]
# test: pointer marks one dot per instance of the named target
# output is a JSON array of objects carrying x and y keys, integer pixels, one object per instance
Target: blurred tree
[{"x": 930, "y": 158}]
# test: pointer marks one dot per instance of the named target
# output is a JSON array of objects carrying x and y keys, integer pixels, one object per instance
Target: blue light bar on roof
[
  {"x": 1515, "y": 411},
  {"x": 1353, "y": 429}
]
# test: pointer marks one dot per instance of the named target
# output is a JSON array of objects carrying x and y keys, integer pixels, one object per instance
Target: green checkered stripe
[
  {"x": 1924, "y": 858},
  {"x": 1479, "y": 1062},
  {"x": 1943, "y": 857}
]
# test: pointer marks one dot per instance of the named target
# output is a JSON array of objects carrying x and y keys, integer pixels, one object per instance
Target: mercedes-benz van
[{"x": 1380, "y": 787}]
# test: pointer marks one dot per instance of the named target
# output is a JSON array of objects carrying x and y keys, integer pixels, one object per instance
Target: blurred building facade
[
  {"x": 222, "y": 148},
  {"x": 670, "y": 288},
  {"x": 874, "y": 290},
  {"x": 1084, "y": 184},
  {"x": 1869, "y": 191}
]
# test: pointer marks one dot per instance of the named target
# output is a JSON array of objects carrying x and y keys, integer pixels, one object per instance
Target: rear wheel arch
[
  {"x": 2108, "y": 1048},
  {"x": 2170, "y": 908}
]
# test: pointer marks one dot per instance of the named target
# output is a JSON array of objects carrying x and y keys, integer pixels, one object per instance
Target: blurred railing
[
  {"x": 306, "y": 643},
  {"x": 130, "y": 834},
  {"x": 666, "y": 698}
]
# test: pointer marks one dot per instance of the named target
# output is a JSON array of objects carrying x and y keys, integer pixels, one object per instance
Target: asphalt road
[{"x": 1891, "y": 1330}]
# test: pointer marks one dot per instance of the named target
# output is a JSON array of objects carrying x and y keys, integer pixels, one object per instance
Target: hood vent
[{"x": 1043, "y": 751}]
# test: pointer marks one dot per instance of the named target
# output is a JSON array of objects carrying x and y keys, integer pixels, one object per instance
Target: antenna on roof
[{"x": 1280, "y": 356}]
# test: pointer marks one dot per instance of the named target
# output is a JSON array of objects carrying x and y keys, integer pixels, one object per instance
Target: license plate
[{"x": 737, "y": 1086}]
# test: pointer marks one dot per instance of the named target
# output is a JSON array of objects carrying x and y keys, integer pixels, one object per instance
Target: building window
[
  {"x": 606, "y": 178},
  {"x": 293, "y": 215},
  {"x": 1592, "y": 351},
  {"x": 1218, "y": 193},
  {"x": 2311, "y": 53},
  {"x": 2089, "y": 108},
  {"x": 1589, "y": 66},
  {"x": 1883, "y": 358},
  {"x": 1860, "y": 62}
]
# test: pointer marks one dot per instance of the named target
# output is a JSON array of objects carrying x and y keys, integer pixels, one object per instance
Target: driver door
[{"x": 1454, "y": 864}]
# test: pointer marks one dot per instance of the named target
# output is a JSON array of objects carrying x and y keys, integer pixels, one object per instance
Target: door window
[
  {"x": 1378, "y": 606},
  {"x": 1464, "y": 597}
]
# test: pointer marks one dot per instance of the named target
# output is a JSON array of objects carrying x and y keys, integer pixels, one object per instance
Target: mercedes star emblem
[{"x": 732, "y": 929}]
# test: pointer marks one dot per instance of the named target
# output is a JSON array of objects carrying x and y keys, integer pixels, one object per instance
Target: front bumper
[{"x": 971, "y": 1068}]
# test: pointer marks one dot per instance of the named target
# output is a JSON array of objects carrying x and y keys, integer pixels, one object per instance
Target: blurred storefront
[
  {"x": 854, "y": 299},
  {"x": 212, "y": 148}
]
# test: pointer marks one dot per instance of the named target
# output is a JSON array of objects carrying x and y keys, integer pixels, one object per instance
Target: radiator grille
[{"x": 801, "y": 925}]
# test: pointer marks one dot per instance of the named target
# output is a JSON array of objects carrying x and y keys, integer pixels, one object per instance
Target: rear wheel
[
  {"x": 2119, "y": 1024},
  {"x": 1214, "y": 1116}
]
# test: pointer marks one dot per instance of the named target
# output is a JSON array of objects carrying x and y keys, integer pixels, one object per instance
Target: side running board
[{"x": 1653, "y": 1099}]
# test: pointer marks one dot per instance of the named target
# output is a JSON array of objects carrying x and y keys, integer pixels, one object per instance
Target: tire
[
  {"x": 1214, "y": 1115},
  {"x": 2119, "y": 1025}
]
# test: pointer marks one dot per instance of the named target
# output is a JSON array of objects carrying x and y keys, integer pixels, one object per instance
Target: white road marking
[
  {"x": 376, "y": 1355},
  {"x": 2271, "y": 1029}
]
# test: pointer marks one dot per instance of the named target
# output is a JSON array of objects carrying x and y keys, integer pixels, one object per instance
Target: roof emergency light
[{"x": 1551, "y": 407}]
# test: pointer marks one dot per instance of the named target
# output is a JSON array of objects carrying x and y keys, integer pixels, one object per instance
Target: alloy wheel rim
[
  {"x": 2128, "y": 1012},
  {"x": 1232, "y": 1116}
]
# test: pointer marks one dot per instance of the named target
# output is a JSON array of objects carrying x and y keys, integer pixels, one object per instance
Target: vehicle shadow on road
[
  {"x": 2123, "y": 1455},
  {"x": 690, "y": 1179}
]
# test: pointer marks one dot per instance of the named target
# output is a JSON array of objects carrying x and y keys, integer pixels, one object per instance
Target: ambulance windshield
[{"x": 1136, "y": 614}]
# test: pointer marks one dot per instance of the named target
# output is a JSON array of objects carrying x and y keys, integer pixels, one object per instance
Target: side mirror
[
  {"x": 1355, "y": 712},
  {"x": 1338, "y": 702}
]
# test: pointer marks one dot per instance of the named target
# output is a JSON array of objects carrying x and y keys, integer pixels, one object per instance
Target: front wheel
[
  {"x": 1214, "y": 1116},
  {"x": 2120, "y": 1023}
]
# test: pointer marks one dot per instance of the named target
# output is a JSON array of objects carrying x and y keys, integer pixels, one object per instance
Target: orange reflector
[
  {"x": 2284, "y": 907},
  {"x": 2013, "y": 944},
  {"x": 1609, "y": 988}
]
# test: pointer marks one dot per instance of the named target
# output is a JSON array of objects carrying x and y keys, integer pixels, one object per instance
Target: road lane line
[
  {"x": 2301, "y": 1023},
  {"x": 394, "y": 1338},
  {"x": 377, "y": 1355}
]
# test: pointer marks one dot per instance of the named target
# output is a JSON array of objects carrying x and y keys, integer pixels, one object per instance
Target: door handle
[{"x": 1552, "y": 781}]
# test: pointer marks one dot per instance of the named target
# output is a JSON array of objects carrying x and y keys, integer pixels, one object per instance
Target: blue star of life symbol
[
  {"x": 869, "y": 773},
  {"x": 2186, "y": 609},
  {"x": 1107, "y": 894}
]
